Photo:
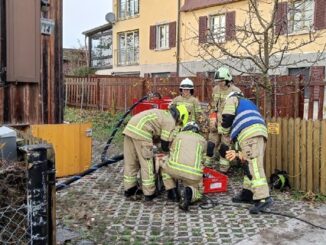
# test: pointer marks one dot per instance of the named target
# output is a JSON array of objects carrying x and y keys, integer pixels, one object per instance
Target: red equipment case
[
  {"x": 214, "y": 181},
  {"x": 151, "y": 104}
]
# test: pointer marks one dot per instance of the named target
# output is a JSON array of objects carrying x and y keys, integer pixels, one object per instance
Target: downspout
[
  {"x": 178, "y": 40},
  {"x": 3, "y": 61}
]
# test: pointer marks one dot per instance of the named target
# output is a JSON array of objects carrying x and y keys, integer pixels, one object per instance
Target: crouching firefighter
[
  {"x": 242, "y": 122},
  {"x": 185, "y": 163},
  {"x": 138, "y": 146}
]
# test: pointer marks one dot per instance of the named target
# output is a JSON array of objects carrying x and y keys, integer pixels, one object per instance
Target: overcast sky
[{"x": 82, "y": 15}]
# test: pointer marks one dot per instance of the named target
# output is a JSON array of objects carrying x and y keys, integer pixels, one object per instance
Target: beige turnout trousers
[
  {"x": 253, "y": 150},
  {"x": 138, "y": 154}
]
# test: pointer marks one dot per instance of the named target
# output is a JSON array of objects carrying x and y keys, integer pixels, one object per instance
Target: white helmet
[{"x": 186, "y": 84}]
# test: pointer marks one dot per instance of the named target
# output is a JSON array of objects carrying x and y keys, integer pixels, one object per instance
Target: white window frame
[
  {"x": 301, "y": 16},
  {"x": 217, "y": 27},
  {"x": 128, "y": 8},
  {"x": 162, "y": 36},
  {"x": 126, "y": 54}
]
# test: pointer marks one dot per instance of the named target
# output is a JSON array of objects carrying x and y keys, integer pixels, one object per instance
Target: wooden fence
[
  {"x": 290, "y": 97},
  {"x": 300, "y": 149}
]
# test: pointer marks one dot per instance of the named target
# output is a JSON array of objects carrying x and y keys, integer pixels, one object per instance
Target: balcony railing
[{"x": 129, "y": 56}]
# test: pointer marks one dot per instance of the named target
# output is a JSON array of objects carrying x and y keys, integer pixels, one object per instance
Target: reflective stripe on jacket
[
  {"x": 149, "y": 123},
  {"x": 186, "y": 154}
]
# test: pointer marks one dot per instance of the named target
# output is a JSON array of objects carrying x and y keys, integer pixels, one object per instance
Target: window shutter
[
  {"x": 317, "y": 73},
  {"x": 152, "y": 37},
  {"x": 172, "y": 34},
  {"x": 230, "y": 26},
  {"x": 320, "y": 15},
  {"x": 202, "y": 30},
  {"x": 281, "y": 18}
]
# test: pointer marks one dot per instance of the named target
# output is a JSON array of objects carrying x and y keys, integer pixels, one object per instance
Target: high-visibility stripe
[
  {"x": 139, "y": 132},
  {"x": 259, "y": 182},
  {"x": 244, "y": 134},
  {"x": 255, "y": 168},
  {"x": 199, "y": 149},
  {"x": 130, "y": 179},
  {"x": 244, "y": 113},
  {"x": 151, "y": 179},
  {"x": 165, "y": 135},
  {"x": 176, "y": 151},
  {"x": 229, "y": 109},
  {"x": 166, "y": 176},
  {"x": 185, "y": 168},
  {"x": 146, "y": 119},
  {"x": 247, "y": 119}
]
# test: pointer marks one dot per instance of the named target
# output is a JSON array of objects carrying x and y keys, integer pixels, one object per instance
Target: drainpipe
[
  {"x": 3, "y": 61},
  {"x": 178, "y": 40}
]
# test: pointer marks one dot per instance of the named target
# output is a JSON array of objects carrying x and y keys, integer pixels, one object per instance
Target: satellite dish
[{"x": 110, "y": 17}]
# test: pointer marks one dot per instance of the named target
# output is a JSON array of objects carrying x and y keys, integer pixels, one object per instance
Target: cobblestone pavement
[{"x": 95, "y": 208}]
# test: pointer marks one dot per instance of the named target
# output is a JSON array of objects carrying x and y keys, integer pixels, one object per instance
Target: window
[
  {"x": 128, "y": 8},
  {"x": 162, "y": 36},
  {"x": 301, "y": 15},
  {"x": 217, "y": 28},
  {"x": 101, "y": 49},
  {"x": 128, "y": 52}
]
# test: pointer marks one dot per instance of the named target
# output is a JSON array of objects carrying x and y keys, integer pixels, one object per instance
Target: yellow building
[{"x": 180, "y": 37}]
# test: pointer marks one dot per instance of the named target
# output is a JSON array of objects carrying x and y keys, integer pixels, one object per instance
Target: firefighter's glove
[
  {"x": 223, "y": 149},
  {"x": 232, "y": 154}
]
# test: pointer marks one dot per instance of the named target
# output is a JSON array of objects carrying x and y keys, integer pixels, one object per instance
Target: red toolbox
[
  {"x": 151, "y": 104},
  {"x": 214, "y": 181}
]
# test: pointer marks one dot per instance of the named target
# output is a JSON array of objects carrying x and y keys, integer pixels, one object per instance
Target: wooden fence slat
[
  {"x": 273, "y": 149},
  {"x": 297, "y": 143},
  {"x": 279, "y": 145},
  {"x": 323, "y": 159},
  {"x": 309, "y": 156},
  {"x": 316, "y": 155},
  {"x": 303, "y": 150},
  {"x": 291, "y": 151},
  {"x": 284, "y": 144}
]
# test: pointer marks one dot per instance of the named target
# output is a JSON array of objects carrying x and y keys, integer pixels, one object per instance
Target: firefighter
[
  {"x": 185, "y": 163},
  {"x": 242, "y": 122},
  {"x": 224, "y": 86},
  {"x": 138, "y": 145},
  {"x": 191, "y": 102}
]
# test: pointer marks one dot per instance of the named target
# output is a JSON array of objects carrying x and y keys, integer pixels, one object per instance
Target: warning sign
[{"x": 273, "y": 128}]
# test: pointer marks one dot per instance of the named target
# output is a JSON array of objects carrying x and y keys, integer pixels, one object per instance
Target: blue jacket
[{"x": 246, "y": 115}]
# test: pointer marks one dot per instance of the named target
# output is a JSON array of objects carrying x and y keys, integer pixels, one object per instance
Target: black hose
[
  {"x": 209, "y": 203},
  {"x": 115, "y": 130},
  {"x": 95, "y": 167},
  {"x": 105, "y": 160}
]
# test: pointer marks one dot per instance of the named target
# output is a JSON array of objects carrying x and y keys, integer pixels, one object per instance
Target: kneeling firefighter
[
  {"x": 185, "y": 163},
  {"x": 138, "y": 145},
  {"x": 242, "y": 122}
]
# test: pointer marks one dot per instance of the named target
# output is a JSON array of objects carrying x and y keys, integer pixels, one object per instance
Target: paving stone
[{"x": 160, "y": 222}]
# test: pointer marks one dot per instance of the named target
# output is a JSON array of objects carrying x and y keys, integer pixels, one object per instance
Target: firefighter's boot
[
  {"x": 133, "y": 191},
  {"x": 261, "y": 205},
  {"x": 173, "y": 195},
  {"x": 186, "y": 199},
  {"x": 245, "y": 196},
  {"x": 149, "y": 198}
]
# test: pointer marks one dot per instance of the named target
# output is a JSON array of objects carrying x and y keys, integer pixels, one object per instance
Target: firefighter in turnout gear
[
  {"x": 138, "y": 145},
  {"x": 191, "y": 102},
  {"x": 185, "y": 163},
  {"x": 242, "y": 121},
  {"x": 224, "y": 86}
]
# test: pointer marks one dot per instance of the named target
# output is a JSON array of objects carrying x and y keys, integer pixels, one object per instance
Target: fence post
[{"x": 37, "y": 192}]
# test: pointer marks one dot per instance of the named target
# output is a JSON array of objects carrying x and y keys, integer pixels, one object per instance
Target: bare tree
[{"x": 264, "y": 42}]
